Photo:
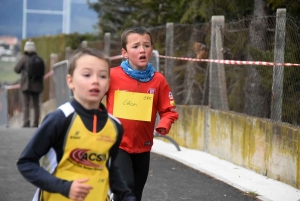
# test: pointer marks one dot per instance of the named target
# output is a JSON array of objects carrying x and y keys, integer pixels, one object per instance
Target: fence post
[
  {"x": 3, "y": 107},
  {"x": 220, "y": 56},
  {"x": 154, "y": 60},
  {"x": 67, "y": 53},
  {"x": 53, "y": 60},
  {"x": 169, "y": 63},
  {"x": 277, "y": 86},
  {"x": 62, "y": 92},
  {"x": 107, "y": 38},
  {"x": 217, "y": 86},
  {"x": 84, "y": 43}
]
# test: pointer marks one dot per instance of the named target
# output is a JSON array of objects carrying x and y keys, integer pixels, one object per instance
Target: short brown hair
[
  {"x": 139, "y": 30},
  {"x": 85, "y": 51}
]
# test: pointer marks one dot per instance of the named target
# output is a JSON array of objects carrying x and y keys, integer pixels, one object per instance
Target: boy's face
[
  {"x": 90, "y": 81},
  {"x": 139, "y": 50}
]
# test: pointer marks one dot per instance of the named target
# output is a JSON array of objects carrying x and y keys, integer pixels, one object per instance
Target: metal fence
[
  {"x": 191, "y": 62},
  {"x": 3, "y": 107},
  {"x": 155, "y": 60},
  {"x": 254, "y": 90},
  {"x": 62, "y": 92}
]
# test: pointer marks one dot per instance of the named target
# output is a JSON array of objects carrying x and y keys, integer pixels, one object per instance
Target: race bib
[{"x": 133, "y": 105}]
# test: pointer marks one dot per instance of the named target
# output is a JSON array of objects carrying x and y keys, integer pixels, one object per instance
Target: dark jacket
[{"x": 27, "y": 84}]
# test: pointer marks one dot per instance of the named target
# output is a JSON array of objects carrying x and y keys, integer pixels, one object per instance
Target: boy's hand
[
  {"x": 161, "y": 131},
  {"x": 79, "y": 190}
]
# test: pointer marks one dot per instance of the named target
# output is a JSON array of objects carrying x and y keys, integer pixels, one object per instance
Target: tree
[
  {"x": 256, "y": 102},
  {"x": 112, "y": 14},
  {"x": 116, "y": 15},
  {"x": 292, "y": 6}
]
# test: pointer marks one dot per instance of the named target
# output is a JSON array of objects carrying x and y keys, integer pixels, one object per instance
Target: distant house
[
  {"x": 9, "y": 46},
  {"x": 9, "y": 40}
]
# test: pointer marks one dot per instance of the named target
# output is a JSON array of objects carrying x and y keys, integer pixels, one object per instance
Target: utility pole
[{"x": 65, "y": 13}]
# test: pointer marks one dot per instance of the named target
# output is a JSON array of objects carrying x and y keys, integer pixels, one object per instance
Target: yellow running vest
[{"x": 85, "y": 156}]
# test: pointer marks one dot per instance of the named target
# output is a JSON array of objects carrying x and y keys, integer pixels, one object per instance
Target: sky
[{"x": 83, "y": 19}]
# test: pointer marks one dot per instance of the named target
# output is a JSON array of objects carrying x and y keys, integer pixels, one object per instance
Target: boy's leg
[
  {"x": 26, "y": 101},
  {"x": 141, "y": 169},
  {"x": 36, "y": 109},
  {"x": 124, "y": 164}
]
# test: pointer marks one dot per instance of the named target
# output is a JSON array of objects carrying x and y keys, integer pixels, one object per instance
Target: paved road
[
  {"x": 13, "y": 186},
  {"x": 168, "y": 180}
]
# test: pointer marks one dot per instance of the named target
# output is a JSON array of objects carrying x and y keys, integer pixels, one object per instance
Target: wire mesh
[{"x": 249, "y": 88}]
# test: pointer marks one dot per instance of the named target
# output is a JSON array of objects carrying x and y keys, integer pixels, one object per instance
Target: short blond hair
[{"x": 85, "y": 51}]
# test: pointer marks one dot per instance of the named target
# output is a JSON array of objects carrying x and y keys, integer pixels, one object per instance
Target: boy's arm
[
  {"x": 166, "y": 109},
  {"x": 39, "y": 145},
  {"x": 117, "y": 183}
]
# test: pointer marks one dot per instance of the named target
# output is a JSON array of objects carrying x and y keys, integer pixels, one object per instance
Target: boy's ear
[
  {"x": 70, "y": 81},
  {"x": 124, "y": 53}
]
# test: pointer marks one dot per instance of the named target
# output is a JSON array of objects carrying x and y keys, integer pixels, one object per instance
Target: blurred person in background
[{"x": 32, "y": 70}]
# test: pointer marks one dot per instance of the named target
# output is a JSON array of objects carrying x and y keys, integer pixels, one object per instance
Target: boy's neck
[{"x": 137, "y": 68}]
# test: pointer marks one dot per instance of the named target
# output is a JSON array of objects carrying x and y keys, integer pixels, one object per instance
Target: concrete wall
[{"x": 268, "y": 148}]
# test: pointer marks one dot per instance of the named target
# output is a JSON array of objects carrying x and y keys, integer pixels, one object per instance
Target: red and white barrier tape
[
  {"x": 16, "y": 86},
  {"x": 116, "y": 57},
  {"x": 232, "y": 62},
  {"x": 48, "y": 74}
]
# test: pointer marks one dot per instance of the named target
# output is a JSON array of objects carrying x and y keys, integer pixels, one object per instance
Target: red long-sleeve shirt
[{"x": 138, "y": 135}]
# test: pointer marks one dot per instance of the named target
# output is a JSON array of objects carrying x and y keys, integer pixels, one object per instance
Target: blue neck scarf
[{"x": 140, "y": 75}]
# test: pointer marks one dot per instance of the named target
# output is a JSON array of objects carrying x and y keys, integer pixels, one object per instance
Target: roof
[{"x": 9, "y": 40}]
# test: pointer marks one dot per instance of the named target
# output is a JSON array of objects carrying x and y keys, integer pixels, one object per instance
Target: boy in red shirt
[{"x": 136, "y": 94}]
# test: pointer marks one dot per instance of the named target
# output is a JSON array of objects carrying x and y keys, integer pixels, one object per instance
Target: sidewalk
[{"x": 239, "y": 177}]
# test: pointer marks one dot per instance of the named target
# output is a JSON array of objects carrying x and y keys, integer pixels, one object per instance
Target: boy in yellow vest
[{"x": 79, "y": 141}]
